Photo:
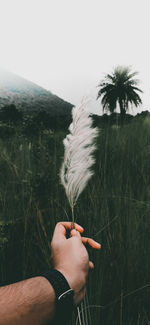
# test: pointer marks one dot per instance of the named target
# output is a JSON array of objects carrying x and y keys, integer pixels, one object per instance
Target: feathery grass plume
[
  {"x": 78, "y": 160},
  {"x": 78, "y": 155}
]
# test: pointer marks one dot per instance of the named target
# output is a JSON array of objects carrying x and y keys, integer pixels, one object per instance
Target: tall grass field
[{"x": 114, "y": 209}]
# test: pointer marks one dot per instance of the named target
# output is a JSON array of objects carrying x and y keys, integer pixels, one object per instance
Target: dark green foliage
[
  {"x": 114, "y": 209},
  {"x": 6, "y": 131},
  {"x": 10, "y": 114},
  {"x": 114, "y": 119}
]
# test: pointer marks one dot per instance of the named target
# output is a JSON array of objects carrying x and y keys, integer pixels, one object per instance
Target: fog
[{"x": 67, "y": 46}]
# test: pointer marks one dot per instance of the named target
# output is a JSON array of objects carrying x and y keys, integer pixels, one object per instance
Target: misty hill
[{"x": 29, "y": 97}]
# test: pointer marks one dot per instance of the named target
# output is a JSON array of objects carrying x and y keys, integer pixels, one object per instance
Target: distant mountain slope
[{"x": 28, "y": 96}]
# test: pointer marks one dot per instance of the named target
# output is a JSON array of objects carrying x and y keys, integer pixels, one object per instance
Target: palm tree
[{"x": 119, "y": 88}]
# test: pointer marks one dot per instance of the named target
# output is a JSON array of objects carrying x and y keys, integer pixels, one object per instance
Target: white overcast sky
[{"x": 67, "y": 46}]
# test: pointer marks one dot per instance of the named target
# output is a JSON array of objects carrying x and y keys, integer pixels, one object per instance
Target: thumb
[{"x": 75, "y": 233}]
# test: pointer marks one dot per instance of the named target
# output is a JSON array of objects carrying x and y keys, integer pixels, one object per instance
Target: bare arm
[{"x": 27, "y": 302}]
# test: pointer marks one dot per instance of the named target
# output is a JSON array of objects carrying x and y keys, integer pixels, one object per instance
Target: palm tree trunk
[{"x": 122, "y": 110}]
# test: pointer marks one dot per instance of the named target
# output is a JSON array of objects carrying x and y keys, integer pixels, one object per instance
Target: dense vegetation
[{"x": 114, "y": 209}]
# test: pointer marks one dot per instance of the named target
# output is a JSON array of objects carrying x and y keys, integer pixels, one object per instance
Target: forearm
[{"x": 27, "y": 302}]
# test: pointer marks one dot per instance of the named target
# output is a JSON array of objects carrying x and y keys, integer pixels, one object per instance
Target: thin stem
[
  {"x": 79, "y": 317},
  {"x": 73, "y": 217},
  {"x": 121, "y": 307},
  {"x": 84, "y": 302},
  {"x": 82, "y": 311},
  {"x": 88, "y": 309},
  {"x": 86, "y": 316}
]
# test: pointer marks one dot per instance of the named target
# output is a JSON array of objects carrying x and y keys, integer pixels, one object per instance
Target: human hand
[{"x": 70, "y": 256}]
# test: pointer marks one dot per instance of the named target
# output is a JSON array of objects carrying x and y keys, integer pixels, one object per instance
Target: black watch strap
[
  {"x": 64, "y": 294},
  {"x": 58, "y": 281}
]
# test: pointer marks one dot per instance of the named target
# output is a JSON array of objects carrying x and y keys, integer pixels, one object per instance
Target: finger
[
  {"x": 91, "y": 265},
  {"x": 61, "y": 227},
  {"x": 91, "y": 242}
]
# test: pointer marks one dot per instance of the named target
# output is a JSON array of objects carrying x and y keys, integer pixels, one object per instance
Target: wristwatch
[{"x": 64, "y": 294}]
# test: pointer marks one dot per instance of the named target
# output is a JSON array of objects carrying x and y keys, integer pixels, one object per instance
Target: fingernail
[
  {"x": 81, "y": 228},
  {"x": 97, "y": 243}
]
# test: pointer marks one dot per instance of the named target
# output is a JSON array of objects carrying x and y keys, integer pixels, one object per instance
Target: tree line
[{"x": 116, "y": 90}]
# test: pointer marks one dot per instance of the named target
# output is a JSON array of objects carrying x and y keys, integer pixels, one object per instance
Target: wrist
[
  {"x": 69, "y": 277},
  {"x": 75, "y": 281}
]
